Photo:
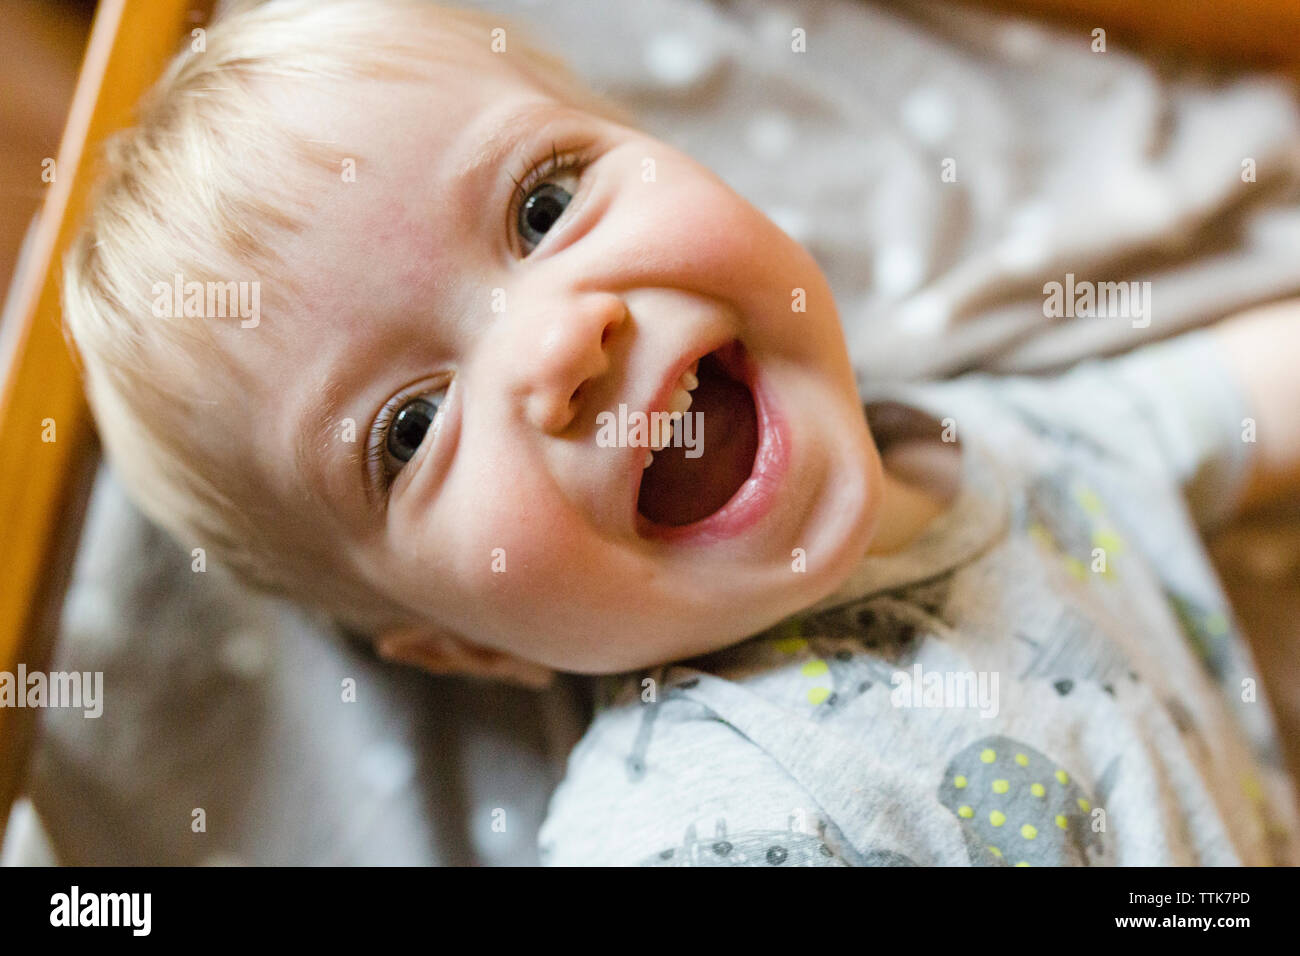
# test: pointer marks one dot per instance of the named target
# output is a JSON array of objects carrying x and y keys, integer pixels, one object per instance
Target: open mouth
[{"x": 677, "y": 489}]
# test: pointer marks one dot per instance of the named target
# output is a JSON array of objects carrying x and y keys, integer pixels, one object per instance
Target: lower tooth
[{"x": 649, "y": 458}]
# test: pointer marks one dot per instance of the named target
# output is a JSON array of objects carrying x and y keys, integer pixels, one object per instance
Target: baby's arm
[{"x": 1262, "y": 349}]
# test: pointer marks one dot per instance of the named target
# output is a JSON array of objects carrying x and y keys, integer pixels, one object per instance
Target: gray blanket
[{"x": 1059, "y": 160}]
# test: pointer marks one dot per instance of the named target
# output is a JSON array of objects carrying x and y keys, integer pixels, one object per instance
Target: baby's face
[{"x": 505, "y": 288}]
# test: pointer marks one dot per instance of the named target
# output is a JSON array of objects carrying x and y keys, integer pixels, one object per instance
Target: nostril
[
  {"x": 574, "y": 397},
  {"x": 606, "y": 333}
]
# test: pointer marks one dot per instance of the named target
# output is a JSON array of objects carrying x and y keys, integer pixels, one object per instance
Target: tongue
[{"x": 676, "y": 490}]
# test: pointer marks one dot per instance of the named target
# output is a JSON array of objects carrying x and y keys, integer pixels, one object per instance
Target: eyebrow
[{"x": 507, "y": 135}]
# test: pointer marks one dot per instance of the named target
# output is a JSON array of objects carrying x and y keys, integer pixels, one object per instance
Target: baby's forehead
[
  {"x": 411, "y": 167},
  {"x": 443, "y": 93},
  {"x": 388, "y": 145}
]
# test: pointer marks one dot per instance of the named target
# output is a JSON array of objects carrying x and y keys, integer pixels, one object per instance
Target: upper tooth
[
  {"x": 680, "y": 401},
  {"x": 689, "y": 381},
  {"x": 660, "y": 436},
  {"x": 649, "y": 460}
]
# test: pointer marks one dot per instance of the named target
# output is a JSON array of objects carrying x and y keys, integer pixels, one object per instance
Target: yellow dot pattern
[
  {"x": 1251, "y": 787},
  {"x": 1113, "y": 545},
  {"x": 1039, "y": 533},
  {"x": 1089, "y": 500},
  {"x": 791, "y": 643},
  {"x": 1108, "y": 539},
  {"x": 1043, "y": 823}
]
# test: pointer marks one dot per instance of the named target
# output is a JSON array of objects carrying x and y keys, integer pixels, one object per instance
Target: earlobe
[
  {"x": 440, "y": 652},
  {"x": 426, "y": 650}
]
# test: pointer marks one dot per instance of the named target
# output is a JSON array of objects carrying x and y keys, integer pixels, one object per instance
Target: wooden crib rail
[{"x": 48, "y": 450}]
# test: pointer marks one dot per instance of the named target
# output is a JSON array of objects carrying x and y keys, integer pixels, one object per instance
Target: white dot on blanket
[
  {"x": 775, "y": 25},
  {"x": 244, "y": 654},
  {"x": 676, "y": 59},
  {"x": 1028, "y": 243},
  {"x": 770, "y": 135},
  {"x": 1141, "y": 198},
  {"x": 923, "y": 315},
  {"x": 1023, "y": 41},
  {"x": 85, "y": 616},
  {"x": 387, "y": 767},
  {"x": 898, "y": 270},
  {"x": 929, "y": 114}
]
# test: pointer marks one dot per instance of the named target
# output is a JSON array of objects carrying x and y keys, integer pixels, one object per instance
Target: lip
[
  {"x": 756, "y": 496},
  {"x": 660, "y": 399}
]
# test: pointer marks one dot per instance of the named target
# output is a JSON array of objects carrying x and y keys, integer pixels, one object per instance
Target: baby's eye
[
  {"x": 542, "y": 206},
  {"x": 400, "y": 430},
  {"x": 409, "y": 427}
]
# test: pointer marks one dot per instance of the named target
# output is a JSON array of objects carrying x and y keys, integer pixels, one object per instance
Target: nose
[{"x": 566, "y": 351}]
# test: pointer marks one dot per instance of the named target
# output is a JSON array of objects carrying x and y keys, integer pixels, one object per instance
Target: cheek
[
  {"x": 517, "y": 540},
  {"x": 692, "y": 230},
  {"x": 695, "y": 218}
]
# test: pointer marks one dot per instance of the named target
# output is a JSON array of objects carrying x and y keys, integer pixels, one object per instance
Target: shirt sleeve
[{"x": 1173, "y": 410}]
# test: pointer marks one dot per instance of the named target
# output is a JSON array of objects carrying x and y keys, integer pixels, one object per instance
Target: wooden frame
[{"x": 44, "y": 484}]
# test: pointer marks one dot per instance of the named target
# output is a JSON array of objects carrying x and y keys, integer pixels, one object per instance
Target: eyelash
[{"x": 537, "y": 174}]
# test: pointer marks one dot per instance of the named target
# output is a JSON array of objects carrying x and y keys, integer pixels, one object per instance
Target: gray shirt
[{"x": 1049, "y": 674}]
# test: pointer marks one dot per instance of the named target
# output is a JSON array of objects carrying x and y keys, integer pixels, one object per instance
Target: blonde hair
[{"x": 188, "y": 191}]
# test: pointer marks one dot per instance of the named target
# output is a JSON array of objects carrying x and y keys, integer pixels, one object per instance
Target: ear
[{"x": 441, "y": 652}]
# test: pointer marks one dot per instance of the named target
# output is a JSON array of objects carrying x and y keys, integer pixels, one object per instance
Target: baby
[{"x": 357, "y": 303}]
